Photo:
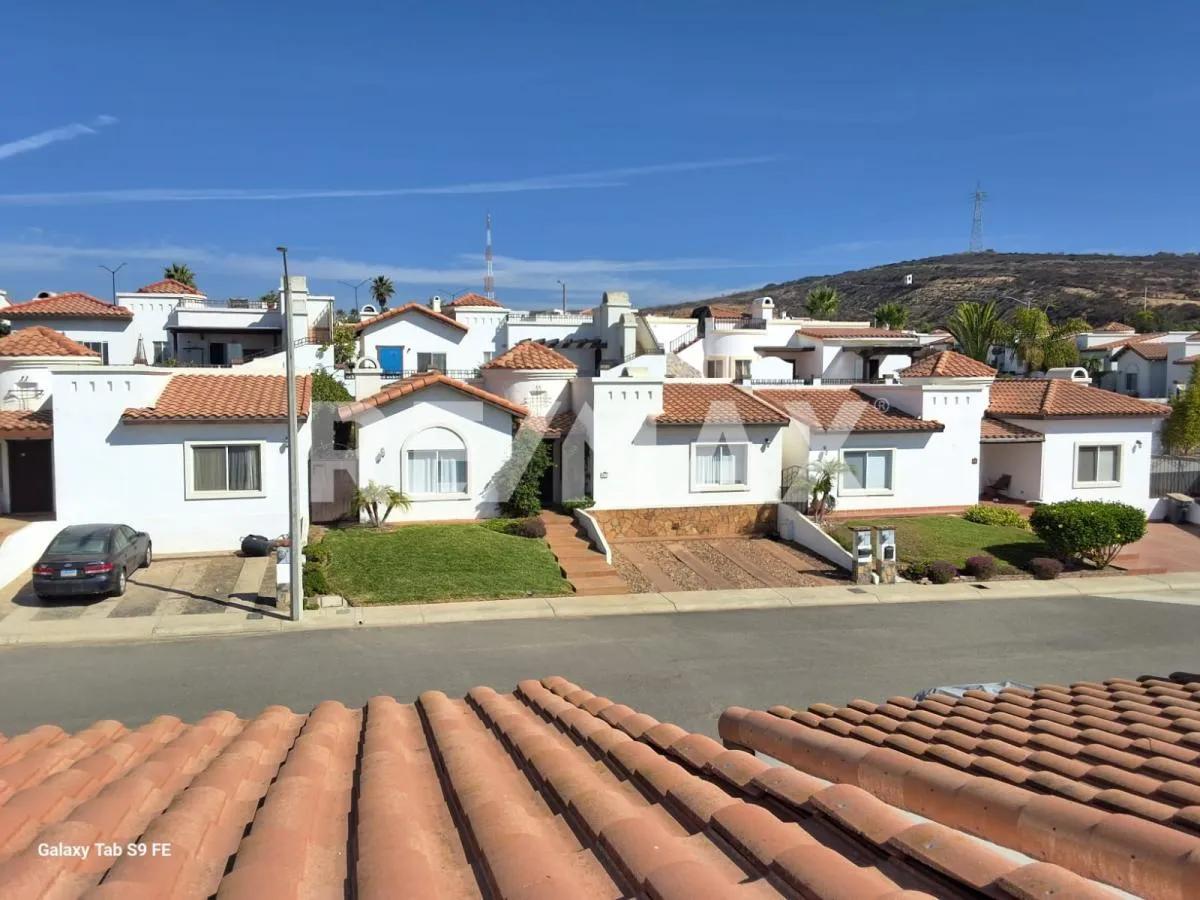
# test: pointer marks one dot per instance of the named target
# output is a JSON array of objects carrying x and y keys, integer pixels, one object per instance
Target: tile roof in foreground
[
  {"x": 994, "y": 431},
  {"x": 546, "y": 792},
  {"x": 473, "y": 300},
  {"x": 1041, "y": 398},
  {"x": 418, "y": 308},
  {"x": 1081, "y": 775},
  {"x": 947, "y": 364},
  {"x": 407, "y": 386},
  {"x": 26, "y": 423},
  {"x": 38, "y": 340},
  {"x": 170, "y": 286},
  {"x": 71, "y": 305},
  {"x": 716, "y": 403},
  {"x": 530, "y": 355},
  {"x": 843, "y": 410},
  {"x": 222, "y": 398}
]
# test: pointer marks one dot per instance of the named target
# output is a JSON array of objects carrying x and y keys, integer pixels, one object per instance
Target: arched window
[{"x": 435, "y": 462}]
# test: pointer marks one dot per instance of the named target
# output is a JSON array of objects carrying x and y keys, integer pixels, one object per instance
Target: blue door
[{"x": 391, "y": 360}]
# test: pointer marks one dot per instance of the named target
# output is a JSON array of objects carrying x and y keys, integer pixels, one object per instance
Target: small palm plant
[
  {"x": 822, "y": 302},
  {"x": 816, "y": 484},
  {"x": 375, "y": 496}
]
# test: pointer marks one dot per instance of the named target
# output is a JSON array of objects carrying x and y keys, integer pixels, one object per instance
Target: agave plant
[{"x": 375, "y": 496}]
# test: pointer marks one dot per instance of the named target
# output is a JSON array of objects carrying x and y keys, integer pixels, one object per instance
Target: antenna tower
[
  {"x": 977, "y": 197},
  {"x": 489, "y": 278}
]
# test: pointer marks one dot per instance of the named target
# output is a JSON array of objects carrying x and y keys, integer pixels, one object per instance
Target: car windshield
[{"x": 81, "y": 540}]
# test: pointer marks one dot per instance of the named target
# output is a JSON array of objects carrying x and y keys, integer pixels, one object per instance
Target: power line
[{"x": 977, "y": 198}]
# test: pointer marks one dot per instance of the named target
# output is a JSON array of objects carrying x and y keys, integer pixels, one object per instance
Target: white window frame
[
  {"x": 733, "y": 366},
  {"x": 404, "y": 473},
  {"x": 100, "y": 347},
  {"x": 844, "y": 491},
  {"x": 723, "y": 360},
  {"x": 189, "y": 490},
  {"x": 431, "y": 366},
  {"x": 697, "y": 487},
  {"x": 1092, "y": 445}
]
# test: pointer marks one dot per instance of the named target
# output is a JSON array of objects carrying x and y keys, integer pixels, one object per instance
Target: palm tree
[
  {"x": 976, "y": 327},
  {"x": 815, "y": 484},
  {"x": 893, "y": 316},
  {"x": 180, "y": 272},
  {"x": 382, "y": 290},
  {"x": 821, "y": 302},
  {"x": 1039, "y": 343},
  {"x": 370, "y": 498}
]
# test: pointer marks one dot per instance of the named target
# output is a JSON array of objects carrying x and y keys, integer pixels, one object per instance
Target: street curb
[{"x": 179, "y": 627}]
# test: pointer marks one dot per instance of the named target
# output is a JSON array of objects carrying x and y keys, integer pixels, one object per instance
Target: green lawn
[
  {"x": 929, "y": 538},
  {"x": 428, "y": 563}
]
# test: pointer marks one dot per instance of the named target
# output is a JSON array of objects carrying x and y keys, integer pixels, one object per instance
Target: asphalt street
[{"x": 683, "y": 667}]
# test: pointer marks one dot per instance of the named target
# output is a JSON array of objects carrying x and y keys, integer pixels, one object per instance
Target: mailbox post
[
  {"x": 885, "y": 555},
  {"x": 862, "y": 549}
]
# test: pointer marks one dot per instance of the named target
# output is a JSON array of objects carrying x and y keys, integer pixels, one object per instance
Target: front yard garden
[
  {"x": 921, "y": 540},
  {"x": 430, "y": 563}
]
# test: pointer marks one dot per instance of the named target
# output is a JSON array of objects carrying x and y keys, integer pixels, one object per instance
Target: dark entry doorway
[
  {"x": 546, "y": 486},
  {"x": 31, "y": 476}
]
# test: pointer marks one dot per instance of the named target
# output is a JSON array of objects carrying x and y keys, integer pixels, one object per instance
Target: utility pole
[
  {"x": 564, "y": 287},
  {"x": 977, "y": 197},
  {"x": 489, "y": 277},
  {"x": 350, "y": 284},
  {"x": 295, "y": 579},
  {"x": 113, "y": 273}
]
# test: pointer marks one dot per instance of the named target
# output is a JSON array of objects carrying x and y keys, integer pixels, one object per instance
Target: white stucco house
[{"x": 1153, "y": 365}]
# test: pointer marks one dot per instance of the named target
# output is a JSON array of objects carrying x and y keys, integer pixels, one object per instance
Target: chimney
[
  {"x": 435, "y": 303},
  {"x": 1078, "y": 374},
  {"x": 763, "y": 308}
]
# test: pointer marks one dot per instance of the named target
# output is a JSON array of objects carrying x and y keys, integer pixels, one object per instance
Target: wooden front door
[{"x": 31, "y": 476}]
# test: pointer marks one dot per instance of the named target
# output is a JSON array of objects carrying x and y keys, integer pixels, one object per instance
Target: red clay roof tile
[
  {"x": 473, "y": 299},
  {"x": 38, "y": 340},
  {"x": 947, "y": 364},
  {"x": 418, "y": 308},
  {"x": 843, "y": 332},
  {"x": 1117, "y": 327},
  {"x": 223, "y": 398},
  {"x": 696, "y": 403},
  {"x": 1130, "y": 341},
  {"x": 1034, "y": 398},
  {"x": 26, "y": 423},
  {"x": 407, "y": 386},
  {"x": 530, "y": 355},
  {"x": 170, "y": 286},
  {"x": 995, "y": 431},
  {"x": 71, "y": 305},
  {"x": 843, "y": 410}
]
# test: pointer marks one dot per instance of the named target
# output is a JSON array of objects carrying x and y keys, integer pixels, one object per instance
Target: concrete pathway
[
  {"x": 1178, "y": 588},
  {"x": 581, "y": 564},
  {"x": 1165, "y": 548}
]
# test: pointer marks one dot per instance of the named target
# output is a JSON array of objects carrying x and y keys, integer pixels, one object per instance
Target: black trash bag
[{"x": 256, "y": 545}]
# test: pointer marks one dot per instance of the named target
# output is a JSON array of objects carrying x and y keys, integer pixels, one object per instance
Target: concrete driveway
[
  {"x": 718, "y": 563},
  {"x": 210, "y": 585},
  {"x": 1165, "y": 548}
]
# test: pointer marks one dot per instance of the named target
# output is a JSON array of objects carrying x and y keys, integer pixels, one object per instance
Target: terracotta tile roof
[
  {"x": 994, "y": 431},
  {"x": 721, "y": 312},
  {"x": 557, "y": 425},
  {"x": 1120, "y": 757},
  {"x": 26, "y": 423},
  {"x": 1040, "y": 398},
  {"x": 947, "y": 364},
  {"x": 1146, "y": 350},
  {"x": 223, "y": 398},
  {"x": 842, "y": 332},
  {"x": 38, "y": 340},
  {"x": 844, "y": 410},
  {"x": 1129, "y": 341},
  {"x": 1188, "y": 360},
  {"x": 530, "y": 355},
  {"x": 473, "y": 300},
  {"x": 547, "y": 792},
  {"x": 1116, "y": 327},
  {"x": 71, "y": 305},
  {"x": 697, "y": 403},
  {"x": 406, "y": 386},
  {"x": 170, "y": 286},
  {"x": 1193, "y": 337},
  {"x": 410, "y": 308}
]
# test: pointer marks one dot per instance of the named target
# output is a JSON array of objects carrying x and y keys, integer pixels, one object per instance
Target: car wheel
[
  {"x": 119, "y": 588},
  {"x": 149, "y": 557}
]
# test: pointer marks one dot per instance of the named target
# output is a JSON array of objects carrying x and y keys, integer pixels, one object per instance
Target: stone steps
[{"x": 581, "y": 564}]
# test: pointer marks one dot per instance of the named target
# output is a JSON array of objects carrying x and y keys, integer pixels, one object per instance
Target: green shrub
[
  {"x": 578, "y": 503},
  {"x": 915, "y": 570},
  {"x": 315, "y": 579},
  {"x": 531, "y": 527},
  {"x": 1090, "y": 530},
  {"x": 1044, "y": 568},
  {"x": 942, "y": 572},
  {"x": 983, "y": 567},
  {"x": 989, "y": 514},
  {"x": 520, "y": 478}
]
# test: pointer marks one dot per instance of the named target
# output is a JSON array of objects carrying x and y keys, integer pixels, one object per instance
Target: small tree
[
  {"x": 816, "y": 484},
  {"x": 891, "y": 315},
  {"x": 382, "y": 290},
  {"x": 327, "y": 389},
  {"x": 1090, "y": 530},
  {"x": 1181, "y": 433},
  {"x": 345, "y": 344},
  {"x": 375, "y": 496},
  {"x": 1146, "y": 321},
  {"x": 520, "y": 478},
  {"x": 180, "y": 272},
  {"x": 976, "y": 327},
  {"x": 822, "y": 302}
]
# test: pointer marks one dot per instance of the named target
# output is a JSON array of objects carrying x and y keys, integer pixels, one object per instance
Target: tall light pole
[
  {"x": 355, "y": 287},
  {"x": 564, "y": 287},
  {"x": 113, "y": 273},
  {"x": 295, "y": 580}
]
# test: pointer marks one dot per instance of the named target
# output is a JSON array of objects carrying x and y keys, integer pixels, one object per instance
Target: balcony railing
[
  {"x": 460, "y": 374},
  {"x": 727, "y": 324},
  {"x": 544, "y": 317},
  {"x": 228, "y": 303},
  {"x": 688, "y": 337},
  {"x": 817, "y": 382}
]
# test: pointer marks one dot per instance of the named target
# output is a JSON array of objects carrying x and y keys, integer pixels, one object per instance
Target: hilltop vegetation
[{"x": 1096, "y": 287}]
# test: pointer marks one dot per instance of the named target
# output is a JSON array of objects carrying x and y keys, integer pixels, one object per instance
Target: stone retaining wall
[{"x": 711, "y": 521}]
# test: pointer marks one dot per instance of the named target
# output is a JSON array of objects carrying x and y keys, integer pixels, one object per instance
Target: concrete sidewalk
[{"x": 1179, "y": 587}]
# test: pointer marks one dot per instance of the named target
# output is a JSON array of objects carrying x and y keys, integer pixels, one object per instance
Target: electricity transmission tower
[{"x": 977, "y": 197}]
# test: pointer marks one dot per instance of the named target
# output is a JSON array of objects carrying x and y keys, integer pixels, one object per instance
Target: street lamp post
[
  {"x": 564, "y": 300},
  {"x": 113, "y": 273},
  {"x": 295, "y": 580}
]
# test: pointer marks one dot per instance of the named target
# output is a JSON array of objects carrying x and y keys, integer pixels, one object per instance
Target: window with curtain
[
  {"x": 226, "y": 467},
  {"x": 428, "y": 362},
  {"x": 741, "y": 369},
  {"x": 435, "y": 463},
  {"x": 867, "y": 470},
  {"x": 160, "y": 352},
  {"x": 719, "y": 465},
  {"x": 1098, "y": 464}
]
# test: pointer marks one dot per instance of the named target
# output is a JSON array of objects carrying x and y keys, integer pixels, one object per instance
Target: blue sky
[{"x": 672, "y": 149}]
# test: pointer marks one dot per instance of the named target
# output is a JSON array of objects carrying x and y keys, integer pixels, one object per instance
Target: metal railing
[
  {"x": 460, "y": 374},
  {"x": 726, "y": 324},
  {"x": 1174, "y": 475},
  {"x": 817, "y": 382},
  {"x": 228, "y": 303},
  {"x": 688, "y": 337},
  {"x": 539, "y": 316}
]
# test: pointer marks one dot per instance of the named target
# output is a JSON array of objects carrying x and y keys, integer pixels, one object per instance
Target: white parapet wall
[
  {"x": 21, "y": 549},
  {"x": 589, "y": 524},
  {"x": 800, "y": 529}
]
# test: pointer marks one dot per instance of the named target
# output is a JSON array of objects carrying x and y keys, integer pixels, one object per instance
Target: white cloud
[
  {"x": 54, "y": 136},
  {"x": 600, "y": 178}
]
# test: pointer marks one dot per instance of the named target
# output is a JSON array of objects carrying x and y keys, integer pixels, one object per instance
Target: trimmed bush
[
  {"x": 982, "y": 567},
  {"x": 1090, "y": 530},
  {"x": 1044, "y": 568},
  {"x": 532, "y": 527},
  {"x": 313, "y": 573},
  {"x": 578, "y": 503},
  {"x": 942, "y": 572},
  {"x": 915, "y": 571},
  {"x": 987, "y": 514}
]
